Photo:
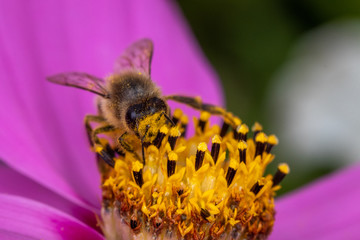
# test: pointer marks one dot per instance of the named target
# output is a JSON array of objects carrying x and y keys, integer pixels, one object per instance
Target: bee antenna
[
  {"x": 167, "y": 118},
  {"x": 142, "y": 142}
]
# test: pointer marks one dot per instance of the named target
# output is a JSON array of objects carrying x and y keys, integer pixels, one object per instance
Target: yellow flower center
[{"x": 207, "y": 186}]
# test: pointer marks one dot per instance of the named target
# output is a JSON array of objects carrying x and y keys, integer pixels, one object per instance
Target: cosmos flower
[{"x": 49, "y": 181}]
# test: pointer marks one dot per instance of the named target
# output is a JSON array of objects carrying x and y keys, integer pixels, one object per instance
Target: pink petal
[
  {"x": 21, "y": 218},
  {"x": 42, "y": 133},
  {"x": 328, "y": 209},
  {"x": 14, "y": 183}
]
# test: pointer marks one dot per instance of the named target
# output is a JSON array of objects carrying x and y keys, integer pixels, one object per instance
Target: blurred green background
[{"x": 247, "y": 41}]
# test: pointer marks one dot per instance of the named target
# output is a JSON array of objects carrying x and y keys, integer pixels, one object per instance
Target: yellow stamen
[{"x": 183, "y": 186}]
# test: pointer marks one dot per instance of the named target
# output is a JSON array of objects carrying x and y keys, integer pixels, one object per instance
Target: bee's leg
[
  {"x": 123, "y": 143},
  {"x": 105, "y": 152},
  {"x": 195, "y": 102},
  {"x": 126, "y": 146},
  {"x": 88, "y": 119},
  {"x": 100, "y": 130}
]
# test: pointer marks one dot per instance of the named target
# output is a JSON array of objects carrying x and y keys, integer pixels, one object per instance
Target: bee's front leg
[{"x": 123, "y": 142}]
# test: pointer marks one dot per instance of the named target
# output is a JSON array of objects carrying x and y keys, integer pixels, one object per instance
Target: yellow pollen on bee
[
  {"x": 98, "y": 149},
  {"x": 164, "y": 130}
]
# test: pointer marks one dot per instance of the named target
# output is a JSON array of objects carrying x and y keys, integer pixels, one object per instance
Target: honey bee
[{"x": 129, "y": 101}]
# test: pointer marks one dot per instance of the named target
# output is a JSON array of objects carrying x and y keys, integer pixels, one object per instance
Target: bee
[{"x": 129, "y": 101}]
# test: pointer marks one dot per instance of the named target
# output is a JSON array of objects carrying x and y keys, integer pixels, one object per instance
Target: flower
[
  {"x": 180, "y": 189},
  {"x": 50, "y": 37},
  {"x": 42, "y": 141},
  {"x": 327, "y": 209},
  {"x": 49, "y": 183}
]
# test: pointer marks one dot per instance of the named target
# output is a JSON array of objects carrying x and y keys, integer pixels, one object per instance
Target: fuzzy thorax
[{"x": 208, "y": 186}]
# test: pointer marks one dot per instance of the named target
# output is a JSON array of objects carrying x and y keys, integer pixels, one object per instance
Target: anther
[
  {"x": 260, "y": 141},
  {"x": 137, "y": 168},
  {"x": 241, "y": 132},
  {"x": 231, "y": 171},
  {"x": 215, "y": 148},
  {"x": 242, "y": 146},
  {"x": 184, "y": 122},
  {"x": 171, "y": 163},
  {"x": 160, "y": 136},
  {"x": 200, "y": 154},
  {"x": 256, "y": 187},
  {"x": 205, "y": 214},
  {"x": 204, "y": 117},
  {"x": 224, "y": 129},
  {"x": 272, "y": 141},
  {"x": 177, "y": 115},
  {"x": 237, "y": 123},
  {"x": 282, "y": 171},
  {"x": 256, "y": 128},
  {"x": 174, "y": 135}
]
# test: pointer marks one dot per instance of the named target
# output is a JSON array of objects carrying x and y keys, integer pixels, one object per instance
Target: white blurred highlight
[{"x": 315, "y": 101}]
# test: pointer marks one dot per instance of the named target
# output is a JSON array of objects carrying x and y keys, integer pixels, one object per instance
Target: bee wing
[
  {"x": 81, "y": 80},
  {"x": 136, "y": 57}
]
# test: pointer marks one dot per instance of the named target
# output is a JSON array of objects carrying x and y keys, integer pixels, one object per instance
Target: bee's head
[{"x": 145, "y": 117}]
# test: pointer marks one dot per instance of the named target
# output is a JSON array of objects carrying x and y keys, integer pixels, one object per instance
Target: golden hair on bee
[{"x": 128, "y": 90}]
